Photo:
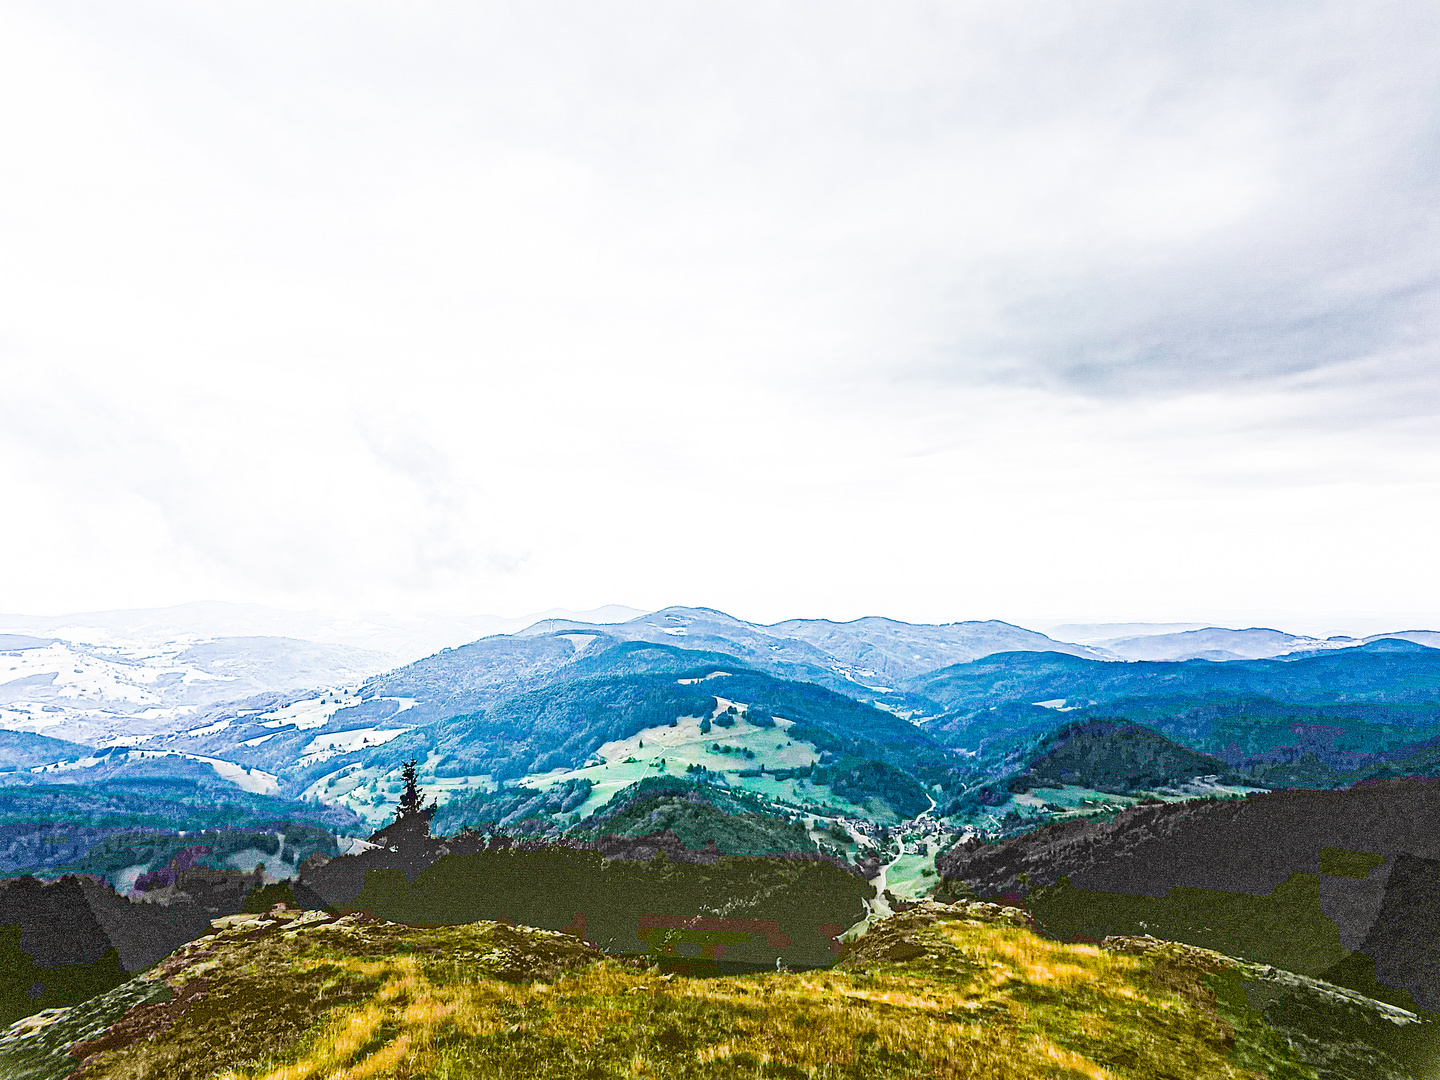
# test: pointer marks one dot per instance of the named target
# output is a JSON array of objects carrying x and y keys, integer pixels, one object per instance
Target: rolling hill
[
  {"x": 119, "y": 829},
  {"x": 866, "y": 658},
  {"x": 1216, "y": 643},
  {"x": 703, "y": 817},
  {"x": 23, "y": 750},
  {"x": 648, "y": 707},
  {"x": 1082, "y": 769},
  {"x": 1114, "y": 756},
  {"x": 1351, "y": 708},
  {"x": 1389, "y": 672}
]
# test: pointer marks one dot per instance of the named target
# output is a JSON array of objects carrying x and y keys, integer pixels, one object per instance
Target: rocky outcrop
[
  {"x": 901, "y": 937},
  {"x": 1340, "y": 1033},
  {"x": 238, "y": 984}
]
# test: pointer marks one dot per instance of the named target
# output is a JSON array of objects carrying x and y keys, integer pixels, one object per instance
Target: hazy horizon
[{"x": 209, "y": 616}]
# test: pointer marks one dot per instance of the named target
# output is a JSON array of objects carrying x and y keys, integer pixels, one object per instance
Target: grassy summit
[{"x": 965, "y": 991}]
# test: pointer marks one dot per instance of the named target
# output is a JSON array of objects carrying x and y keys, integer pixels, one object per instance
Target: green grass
[
  {"x": 907, "y": 878},
  {"x": 1341, "y": 862},
  {"x": 685, "y": 744},
  {"x": 627, "y": 761},
  {"x": 921, "y": 995}
]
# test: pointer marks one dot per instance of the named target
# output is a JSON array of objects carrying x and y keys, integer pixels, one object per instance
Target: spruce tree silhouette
[
  {"x": 412, "y": 816},
  {"x": 412, "y": 803}
]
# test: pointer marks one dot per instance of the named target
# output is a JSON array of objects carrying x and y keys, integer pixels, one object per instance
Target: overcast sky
[{"x": 940, "y": 311}]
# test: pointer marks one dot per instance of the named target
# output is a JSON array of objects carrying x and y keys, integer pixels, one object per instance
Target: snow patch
[
  {"x": 323, "y": 747},
  {"x": 310, "y": 713},
  {"x": 253, "y": 780},
  {"x": 213, "y": 729},
  {"x": 581, "y": 642},
  {"x": 704, "y": 678}
]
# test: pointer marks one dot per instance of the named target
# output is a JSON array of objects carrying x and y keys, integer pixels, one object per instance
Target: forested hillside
[
  {"x": 1321, "y": 719},
  {"x": 1337, "y": 884}
]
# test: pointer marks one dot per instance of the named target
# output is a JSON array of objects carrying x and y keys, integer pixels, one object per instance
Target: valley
[
  {"x": 458, "y": 713},
  {"x": 668, "y": 786}
]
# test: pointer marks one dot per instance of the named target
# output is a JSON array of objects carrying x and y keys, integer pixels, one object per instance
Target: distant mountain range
[
  {"x": 114, "y": 676},
  {"x": 874, "y": 654},
  {"x": 103, "y": 677},
  {"x": 402, "y": 638},
  {"x": 99, "y": 694},
  {"x": 1216, "y": 643},
  {"x": 569, "y": 699},
  {"x": 1344, "y": 710}
]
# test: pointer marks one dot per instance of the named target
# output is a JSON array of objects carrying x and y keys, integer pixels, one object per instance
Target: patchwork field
[
  {"x": 729, "y": 751},
  {"x": 662, "y": 750}
]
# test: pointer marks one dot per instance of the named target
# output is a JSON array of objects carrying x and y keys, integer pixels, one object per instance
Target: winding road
[{"x": 879, "y": 908}]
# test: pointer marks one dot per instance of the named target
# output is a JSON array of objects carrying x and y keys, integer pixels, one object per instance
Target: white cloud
[{"x": 939, "y": 311}]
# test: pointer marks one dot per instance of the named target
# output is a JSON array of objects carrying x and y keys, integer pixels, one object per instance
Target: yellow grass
[{"x": 988, "y": 1001}]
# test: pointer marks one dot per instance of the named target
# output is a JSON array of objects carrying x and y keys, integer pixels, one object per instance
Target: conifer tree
[{"x": 412, "y": 803}]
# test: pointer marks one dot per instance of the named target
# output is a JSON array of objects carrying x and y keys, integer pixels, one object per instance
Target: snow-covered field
[
  {"x": 311, "y": 712},
  {"x": 89, "y": 694},
  {"x": 247, "y": 779},
  {"x": 324, "y": 747},
  {"x": 103, "y": 694}
]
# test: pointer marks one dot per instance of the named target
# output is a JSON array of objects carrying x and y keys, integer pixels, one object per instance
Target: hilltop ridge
[{"x": 942, "y": 991}]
